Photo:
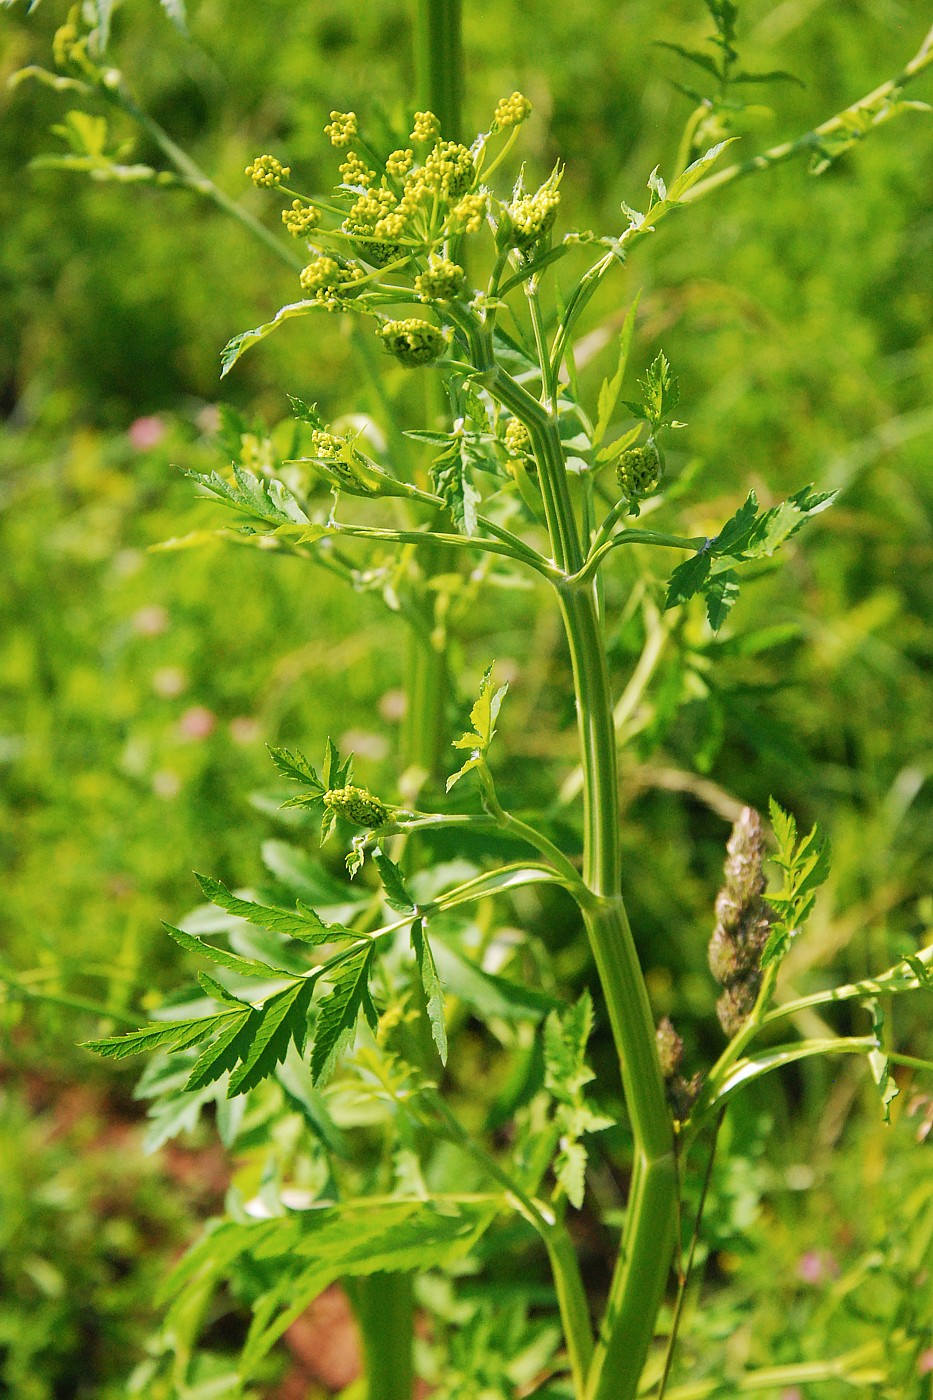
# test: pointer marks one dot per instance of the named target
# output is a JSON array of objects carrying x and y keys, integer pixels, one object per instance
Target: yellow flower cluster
[
  {"x": 512, "y": 111},
  {"x": 354, "y": 171},
  {"x": 517, "y": 441},
  {"x": 399, "y": 163},
  {"x": 412, "y": 341},
  {"x": 326, "y": 280},
  {"x": 470, "y": 212},
  {"x": 426, "y": 128},
  {"x": 342, "y": 128},
  {"x": 268, "y": 172},
  {"x": 442, "y": 281},
  {"x": 301, "y": 219}
]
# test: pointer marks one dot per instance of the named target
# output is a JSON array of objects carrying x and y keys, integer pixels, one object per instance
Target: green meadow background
[{"x": 138, "y": 689}]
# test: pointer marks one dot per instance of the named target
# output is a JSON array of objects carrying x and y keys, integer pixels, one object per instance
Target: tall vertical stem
[
  {"x": 641, "y": 1271},
  {"x": 439, "y": 61}
]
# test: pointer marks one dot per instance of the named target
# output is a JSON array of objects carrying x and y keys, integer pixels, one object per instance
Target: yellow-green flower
[
  {"x": 426, "y": 128},
  {"x": 301, "y": 219},
  {"x": 512, "y": 111},
  {"x": 342, "y": 128},
  {"x": 268, "y": 172}
]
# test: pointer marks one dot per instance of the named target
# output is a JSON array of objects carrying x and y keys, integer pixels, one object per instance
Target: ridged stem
[{"x": 643, "y": 1265}]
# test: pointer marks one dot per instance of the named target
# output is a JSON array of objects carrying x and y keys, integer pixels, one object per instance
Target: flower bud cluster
[
  {"x": 326, "y": 281},
  {"x": 357, "y": 805},
  {"x": 302, "y": 219},
  {"x": 412, "y": 341},
  {"x": 342, "y": 128},
  {"x": 517, "y": 439},
  {"x": 399, "y": 163},
  {"x": 743, "y": 922},
  {"x": 354, "y": 171},
  {"x": 442, "y": 281},
  {"x": 512, "y": 111},
  {"x": 638, "y": 471},
  {"x": 426, "y": 128},
  {"x": 268, "y": 172},
  {"x": 531, "y": 216}
]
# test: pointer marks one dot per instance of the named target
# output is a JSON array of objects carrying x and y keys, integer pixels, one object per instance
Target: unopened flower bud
[
  {"x": 512, "y": 111},
  {"x": 638, "y": 471},
  {"x": 517, "y": 439},
  {"x": 357, "y": 805},
  {"x": 412, "y": 341},
  {"x": 426, "y": 128},
  {"x": 301, "y": 219},
  {"x": 442, "y": 281},
  {"x": 268, "y": 172},
  {"x": 342, "y": 128}
]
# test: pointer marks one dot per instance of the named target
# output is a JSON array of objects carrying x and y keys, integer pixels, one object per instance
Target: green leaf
[
  {"x": 487, "y": 993},
  {"x": 879, "y": 1065},
  {"x": 393, "y": 883},
  {"x": 721, "y": 592},
  {"x": 281, "y": 1020},
  {"x": 225, "y": 1052},
  {"x": 688, "y": 578},
  {"x": 694, "y": 56},
  {"x": 246, "y": 967},
  {"x": 483, "y": 715},
  {"x": 292, "y": 763},
  {"x": 161, "y": 1035},
  {"x": 305, "y": 924},
  {"x": 565, "y": 1040},
  {"x": 566, "y": 1075},
  {"x": 362, "y": 1238},
  {"x": 611, "y": 388},
  {"x": 805, "y": 864},
  {"x": 339, "y": 1012},
  {"x": 735, "y": 534},
  {"x": 246, "y": 339},
  {"x": 660, "y": 392},
  {"x": 781, "y": 522},
  {"x": 452, "y": 480},
  {"x": 433, "y": 992},
  {"x": 697, "y": 170}
]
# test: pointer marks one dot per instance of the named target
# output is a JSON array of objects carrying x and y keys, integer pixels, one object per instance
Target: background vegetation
[{"x": 139, "y": 688}]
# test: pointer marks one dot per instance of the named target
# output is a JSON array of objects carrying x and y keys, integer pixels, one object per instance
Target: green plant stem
[
  {"x": 194, "y": 176},
  {"x": 385, "y": 1311},
  {"x": 439, "y": 62},
  {"x": 641, "y": 1271},
  {"x": 565, "y": 1268},
  {"x": 811, "y": 140}
]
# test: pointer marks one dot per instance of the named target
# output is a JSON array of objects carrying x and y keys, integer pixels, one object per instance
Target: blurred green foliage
[{"x": 138, "y": 688}]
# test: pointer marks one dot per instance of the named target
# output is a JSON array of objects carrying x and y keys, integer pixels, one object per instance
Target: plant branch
[{"x": 840, "y": 123}]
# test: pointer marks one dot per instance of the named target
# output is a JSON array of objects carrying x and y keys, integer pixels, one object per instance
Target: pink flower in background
[
  {"x": 794, "y": 1393},
  {"x": 146, "y": 432},
  {"x": 169, "y": 681},
  {"x": 925, "y": 1362},
  {"x": 150, "y": 621},
  {"x": 816, "y": 1266},
  {"x": 197, "y": 723}
]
